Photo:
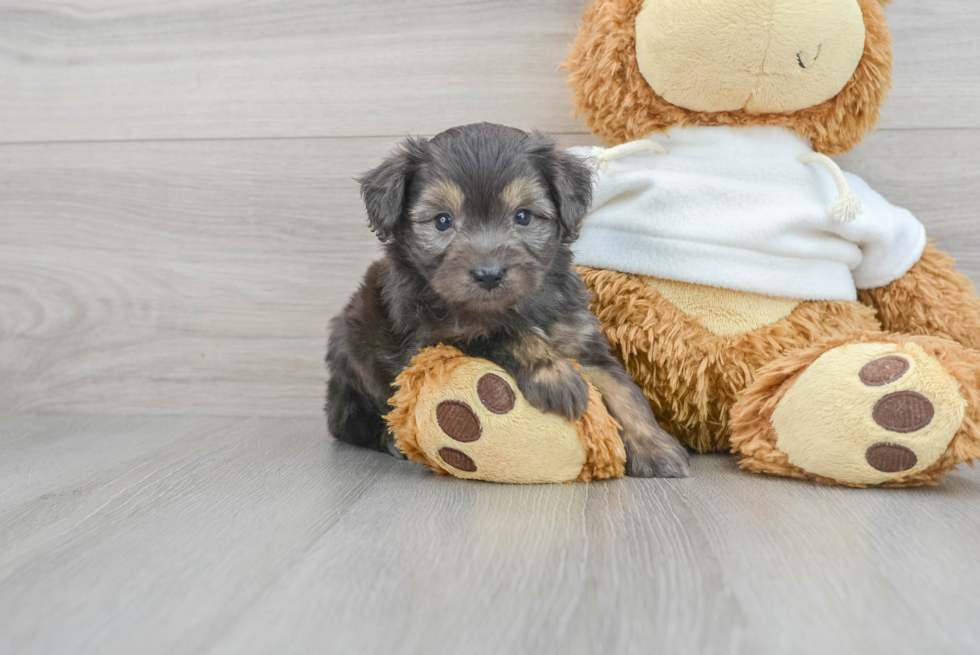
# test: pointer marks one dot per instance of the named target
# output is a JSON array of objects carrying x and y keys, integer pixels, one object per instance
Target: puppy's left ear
[
  {"x": 385, "y": 188},
  {"x": 569, "y": 180}
]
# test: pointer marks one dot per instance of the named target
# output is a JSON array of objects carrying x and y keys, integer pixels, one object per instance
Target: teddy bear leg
[
  {"x": 869, "y": 409},
  {"x": 465, "y": 417}
]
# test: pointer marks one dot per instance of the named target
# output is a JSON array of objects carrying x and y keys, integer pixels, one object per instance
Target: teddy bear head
[{"x": 819, "y": 67}]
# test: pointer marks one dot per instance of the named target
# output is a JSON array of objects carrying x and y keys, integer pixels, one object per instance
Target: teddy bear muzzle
[{"x": 763, "y": 56}]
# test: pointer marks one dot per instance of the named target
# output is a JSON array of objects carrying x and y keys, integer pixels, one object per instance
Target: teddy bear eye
[
  {"x": 444, "y": 222},
  {"x": 522, "y": 217}
]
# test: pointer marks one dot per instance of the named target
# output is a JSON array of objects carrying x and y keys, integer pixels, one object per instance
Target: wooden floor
[
  {"x": 261, "y": 535},
  {"x": 179, "y": 220}
]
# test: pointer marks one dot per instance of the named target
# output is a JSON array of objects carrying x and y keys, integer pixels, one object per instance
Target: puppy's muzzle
[{"x": 488, "y": 278}]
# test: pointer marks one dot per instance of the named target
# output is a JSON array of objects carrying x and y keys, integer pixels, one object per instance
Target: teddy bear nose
[{"x": 488, "y": 278}]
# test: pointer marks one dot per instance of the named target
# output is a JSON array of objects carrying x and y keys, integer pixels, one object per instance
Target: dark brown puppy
[{"x": 476, "y": 225}]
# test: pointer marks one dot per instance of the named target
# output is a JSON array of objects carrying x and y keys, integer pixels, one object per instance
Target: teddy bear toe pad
[
  {"x": 458, "y": 421},
  {"x": 891, "y": 458},
  {"x": 457, "y": 459},
  {"x": 495, "y": 394},
  {"x": 868, "y": 413},
  {"x": 884, "y": 370},
  {"x": 903, "y": 412}
]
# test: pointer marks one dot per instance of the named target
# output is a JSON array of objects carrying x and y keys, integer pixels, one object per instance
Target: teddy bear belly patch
[{"x": 723, "y": 312}]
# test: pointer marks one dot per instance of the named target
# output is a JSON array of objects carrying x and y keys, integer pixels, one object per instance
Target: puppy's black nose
[{"x": 488, "y": 278}]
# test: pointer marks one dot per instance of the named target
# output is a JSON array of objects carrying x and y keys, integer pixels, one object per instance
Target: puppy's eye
[
  {"x": 522, "y": 217},
  {"x": 444, "y": 222}
]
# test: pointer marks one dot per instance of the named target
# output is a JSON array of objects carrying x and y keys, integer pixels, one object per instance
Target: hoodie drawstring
[
  {"x": 847, "y": 207},
  {"x": 602, "y": 157}
]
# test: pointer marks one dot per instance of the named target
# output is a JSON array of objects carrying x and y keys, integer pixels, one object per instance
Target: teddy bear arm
[{"x": 932, "y": 299}]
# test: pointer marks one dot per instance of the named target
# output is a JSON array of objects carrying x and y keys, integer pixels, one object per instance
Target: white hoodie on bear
[{"x": 734, "y": 208}]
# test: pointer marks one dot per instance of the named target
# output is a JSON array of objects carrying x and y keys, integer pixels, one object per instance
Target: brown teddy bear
[{"x": 766, "y": 301}]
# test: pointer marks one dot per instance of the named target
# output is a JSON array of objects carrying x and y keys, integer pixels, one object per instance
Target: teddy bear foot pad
[
  {"x": 465, "y": 417},
  {"x": 875, "y": 411}
]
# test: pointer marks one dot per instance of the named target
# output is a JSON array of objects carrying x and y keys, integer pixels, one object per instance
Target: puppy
[{"x": 476, "y": 225}]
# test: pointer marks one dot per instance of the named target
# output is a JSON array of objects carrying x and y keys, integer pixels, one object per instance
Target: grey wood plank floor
[{"x": 262, "y": 535}]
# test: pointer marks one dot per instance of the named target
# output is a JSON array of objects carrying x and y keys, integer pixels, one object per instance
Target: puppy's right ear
[
  {"x": 569, "y": 180},
  {"x": 385, "y": 188}
]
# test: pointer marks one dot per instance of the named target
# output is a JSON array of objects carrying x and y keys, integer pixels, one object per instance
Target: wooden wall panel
[
  {"x": 174, "y": 277},
  {"x": 198, "y": 277},
  {"x": 136, "y": 69}
]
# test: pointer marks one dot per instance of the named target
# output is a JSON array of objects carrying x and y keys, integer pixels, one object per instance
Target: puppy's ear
[
  {"x": 569, "y": 180},
  {"x": 385, "y": 188}
]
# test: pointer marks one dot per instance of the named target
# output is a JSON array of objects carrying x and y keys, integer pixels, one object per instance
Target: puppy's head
[{"x": 480, "y": 211}]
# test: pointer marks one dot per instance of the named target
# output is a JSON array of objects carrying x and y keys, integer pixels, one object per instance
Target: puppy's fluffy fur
[{"x": 476, "y": 225}]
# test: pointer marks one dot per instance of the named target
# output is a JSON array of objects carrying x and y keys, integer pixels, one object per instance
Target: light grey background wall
[{"x": 178, "y": 218}]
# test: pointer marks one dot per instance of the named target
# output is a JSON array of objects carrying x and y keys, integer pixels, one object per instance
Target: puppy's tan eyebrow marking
[
  {"x": 520, "y": 191},
  {"x": 442, "y": 194}
]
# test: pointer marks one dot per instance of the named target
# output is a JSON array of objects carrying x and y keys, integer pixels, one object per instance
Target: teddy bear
[{"x": 767, "y": 302}]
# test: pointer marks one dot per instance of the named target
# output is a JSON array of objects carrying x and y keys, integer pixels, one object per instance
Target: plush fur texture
[
  {"x": 754, "y": 437},
  {"x": 691, "y": 376},
  {"x": 433, "y": 370},
  {"x": 931, "y": 299},
  {"x": 619, "y": 105}
]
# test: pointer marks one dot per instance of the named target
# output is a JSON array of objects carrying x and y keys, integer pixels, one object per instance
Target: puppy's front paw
[
  {"x": 557, "y": 388},
  {"x": 656, "y": 455}
]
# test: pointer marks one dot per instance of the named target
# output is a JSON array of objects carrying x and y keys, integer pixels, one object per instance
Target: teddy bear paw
[
  {"x": 472, "y": 422},
  {"x": 466, "y": 417},
  {"x": 869, "y": 413}
]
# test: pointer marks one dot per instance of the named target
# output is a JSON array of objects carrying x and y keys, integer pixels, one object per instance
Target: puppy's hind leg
[
  {"x": 650, "y": 451},
  {"x": 354, "y": 418}
]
